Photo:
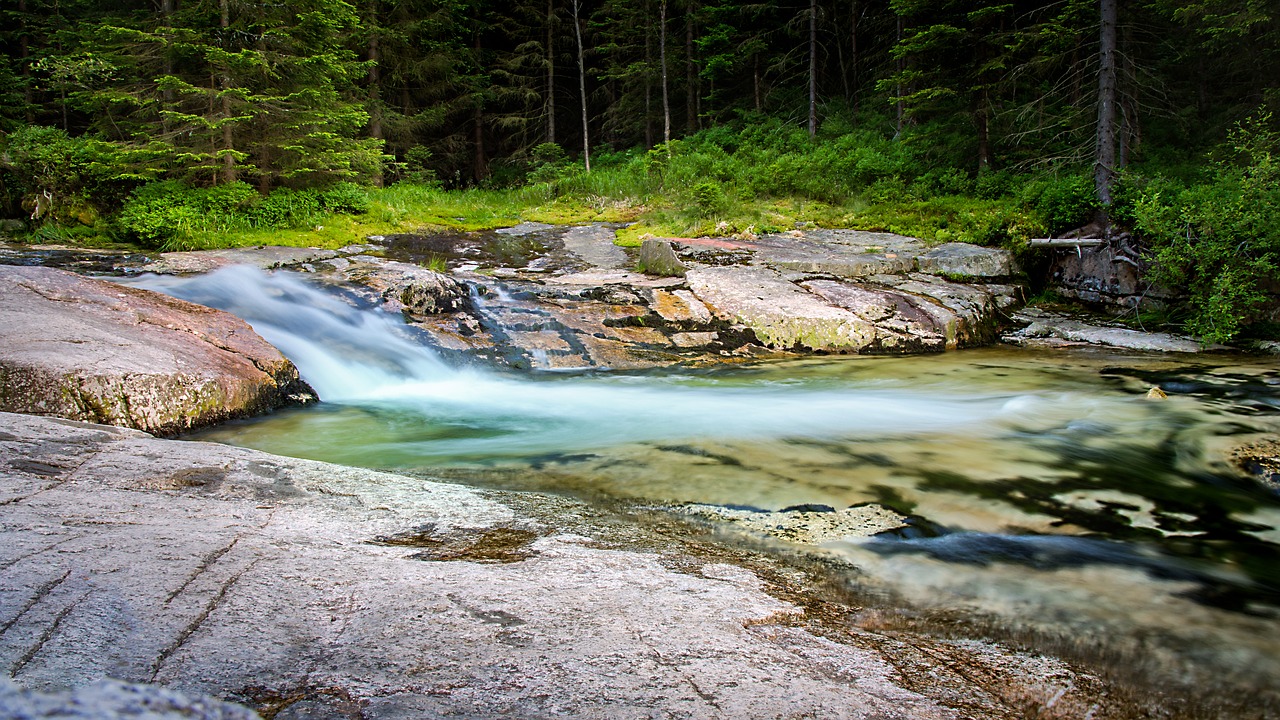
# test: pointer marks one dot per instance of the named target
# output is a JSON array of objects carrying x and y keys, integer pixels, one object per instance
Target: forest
[{"x": 189, "y": 123}]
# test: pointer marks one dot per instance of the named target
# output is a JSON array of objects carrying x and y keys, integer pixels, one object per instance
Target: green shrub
[
  {"x": 1219, "y": 240},
  {"x": 709, "y": 198},
  {"x": 286, "y": 207},
  {"x": 417, "y": 166},
  {"x": 345, "y": 197},
  {"x": 68, "y": 178},
  {"x": 162, "y": 212},
  {"x": 993, "y": 184},
  {"x": 1063, "y": 202}
]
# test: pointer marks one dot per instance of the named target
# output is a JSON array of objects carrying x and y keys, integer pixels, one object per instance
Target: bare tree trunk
[
  {"x": 853, "y": 49},
  {"x": 1104, "y": 169},
  {"x": 375, "y": 84},
  {"x": 551, "y": 72},
  {"x": 690, "y": 76},
  {"x": 166, "y": 95},
  {"x": 755, "y": 82},
  {"x": 813, "y": 68},
  {"x": 662, "y": 54},
  {"x": 582, "y": 88},
  {"x": 648, "y": 77},
  {"x": 982, "y": 118},
  {"x": 228, "y": 139},
  {"x": 901, "y": 66},
  {"x": 24, "y": 51},
  {"x": 481, "y": 169}
]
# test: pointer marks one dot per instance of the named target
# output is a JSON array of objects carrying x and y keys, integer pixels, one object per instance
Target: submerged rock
[
  {"x": 88, "y": 349},
  {"x": 806, "y": 524}
]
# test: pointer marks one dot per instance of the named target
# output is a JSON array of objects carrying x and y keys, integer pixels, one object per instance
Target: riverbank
[
  {"x": 300, "y": 587},
  {"x": 292, "y": 534}
]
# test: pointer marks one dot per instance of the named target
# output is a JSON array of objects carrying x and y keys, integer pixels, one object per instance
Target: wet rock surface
[
  {"x": 1049, "y": 329},
  {"x": 545, "y": 297},
  {"x": 87, "y": 349},
  {"x": 302, "y": 589},
  {"x": 115, "y": 700}
]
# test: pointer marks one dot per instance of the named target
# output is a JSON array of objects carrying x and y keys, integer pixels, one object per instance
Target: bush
[
  {"x": 171, "y": 214},
  {"x": 1219, "y": 239},
  {"x": 347, "y": 198},
  {"x": 1063, "y": 203},
  {"x": 285, "y": 208},
  {"x": 68, "y": 178}
]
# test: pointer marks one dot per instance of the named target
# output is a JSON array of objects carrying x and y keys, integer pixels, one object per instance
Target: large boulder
[
  {"x": 88, "y": 349},
  {"x": 780, "y": 314}
]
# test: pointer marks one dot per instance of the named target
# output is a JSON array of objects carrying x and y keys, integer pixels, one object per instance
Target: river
[{"x": 1049, "y": 501}]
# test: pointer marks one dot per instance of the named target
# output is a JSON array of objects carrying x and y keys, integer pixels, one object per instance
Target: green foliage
[
  {"x": 173, "y": 215},
  {"x": 1063, "y": 202},
  {"x": 417, "y": 165},
  {"x": 1219, "y": 239},
  {"x": 347, "y": 198},
  {"x": 59, "y": 177}
]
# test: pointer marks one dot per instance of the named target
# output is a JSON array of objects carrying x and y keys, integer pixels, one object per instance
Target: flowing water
[{"x": 1047, "y": 496}]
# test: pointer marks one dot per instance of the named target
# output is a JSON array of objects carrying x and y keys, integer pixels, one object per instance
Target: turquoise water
[{"x": 1046, "y": 494}]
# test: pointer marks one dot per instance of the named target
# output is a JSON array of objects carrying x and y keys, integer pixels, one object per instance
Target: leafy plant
[{"x": 1219, "y": 239}]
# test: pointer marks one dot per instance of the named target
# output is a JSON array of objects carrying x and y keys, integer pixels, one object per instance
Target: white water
[
  {"x": 1008, "y": 453},
  {"x": 361, "y": 358}
]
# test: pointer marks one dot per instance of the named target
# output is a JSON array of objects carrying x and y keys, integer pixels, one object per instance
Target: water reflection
[{"x": 1047, "y": 493}]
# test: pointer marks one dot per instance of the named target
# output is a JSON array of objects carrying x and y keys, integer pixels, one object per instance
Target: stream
[{"x": 1048, "y": 499}]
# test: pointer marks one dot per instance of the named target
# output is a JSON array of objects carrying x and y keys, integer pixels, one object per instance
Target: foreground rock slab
[
  {"x": 88, "y": 349},
  {"x": 313, "y": 590},
  {"x": 114, "y": 700}
]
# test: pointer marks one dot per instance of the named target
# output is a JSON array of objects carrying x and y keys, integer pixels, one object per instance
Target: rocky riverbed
[{"x": 311, "y": 590}]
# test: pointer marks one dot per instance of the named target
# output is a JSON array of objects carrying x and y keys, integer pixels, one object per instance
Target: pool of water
[{"x": 1048, "y": 496}]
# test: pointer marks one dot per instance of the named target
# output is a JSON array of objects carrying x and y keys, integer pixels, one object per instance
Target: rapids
[{"x": 1049, "y": 498}]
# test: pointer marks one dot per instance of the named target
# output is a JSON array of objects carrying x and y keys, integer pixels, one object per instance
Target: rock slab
[
  {"x": 115, "y": 700},
  {"x": 312, "y": 590},
  {"x": 87, "y": 349}
]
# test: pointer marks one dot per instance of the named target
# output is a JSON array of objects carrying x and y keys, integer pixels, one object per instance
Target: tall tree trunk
[
  {"x": 481, "y": 169},
  {"x": 755, "y": 82},
  {"x": 167, "y": 95},
  {"x": 853, "y": 51},
  {"x": 24, "y": 51},
  {"x": 582, "y": 87},
  {"x": 228, "y": 138},
  {"x": 648, "y": 77},
  {"x": 982, "y": 119},
  {"x": 813, "y": 68},
  {"x": 1104, "y": 168},
  {"x": 901, "y": 67},
  {"x": 551, "y": 72},
  {"x": 662, "y": 54},
  {"x": 690, "y": 75},
  {"x": 375, "y": 84}
]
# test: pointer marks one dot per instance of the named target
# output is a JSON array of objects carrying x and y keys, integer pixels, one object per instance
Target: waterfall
[{"x": 365, "y": 357}]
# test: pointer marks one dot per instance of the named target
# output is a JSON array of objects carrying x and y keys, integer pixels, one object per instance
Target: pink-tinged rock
[{"x": 88, "y": 349}]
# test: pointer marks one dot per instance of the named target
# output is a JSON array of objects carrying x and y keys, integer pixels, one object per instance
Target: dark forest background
[{"x": 1153, "y": 114}]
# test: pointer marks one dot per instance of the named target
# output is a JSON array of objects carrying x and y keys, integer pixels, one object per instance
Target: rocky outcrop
[
  {"x": 1048, "y": 329},
  {"x": 553, "y": 298},
  {"x": 310, "y": 590},
  {"x": 658, "y": 258},
  {"x": 857, "y": 292},
  {"x": 88, "y": 349},
  {"x": 399, "y": 286}
]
